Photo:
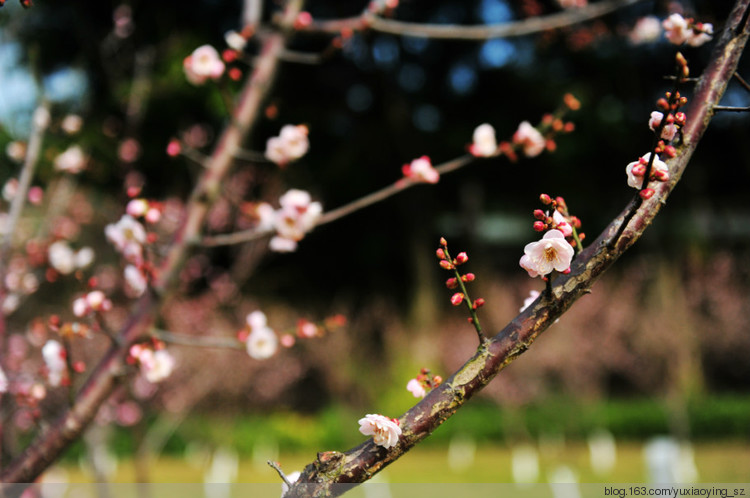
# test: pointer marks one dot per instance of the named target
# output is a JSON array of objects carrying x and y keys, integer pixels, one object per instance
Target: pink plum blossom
[
  {"x": 136, "y": 280},
  {"x": 128, "y": 237},
  {"x": 552, "y": 252},
  {"x": 531, "y": 141},
  {"x": 54, "y": 357},
  {"x": 668, "y": 132},
  {"x": 700, "y": 34},
  {"x": 385, "y": 431},
  {"x": 291, "y": 144},
  {"x": 635, "y": 180},
  {"x": 72, "y": 160},
  {"x": 562, "y": 224},
  {"x": 416, "y": 388},
  {"x": 421, "y": 170},
  {"x": 235, "y": 40},
  {"x": 647, "y": 29},
  {"x": 155, "y": 365},
  {"x": 262, "y": 342},
  {"x": 484, "y": 142},
  {"x": 203, "y": 64},
  {"x": 93, "y": 301},
  {"x": 676, "y": 29}
]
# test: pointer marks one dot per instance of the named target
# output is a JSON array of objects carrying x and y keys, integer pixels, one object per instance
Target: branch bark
[
  {"x": 49, "y": 445},
  {"x": 333, "y": 473}
]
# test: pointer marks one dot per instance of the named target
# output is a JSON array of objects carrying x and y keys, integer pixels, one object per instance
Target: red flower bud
[
  {"x": 639, "y": 170},
  {"x": 469, "y": 277},
  {"x": 662, "y": 104},
  {"x": 545, "y": 199},
  {"x": 443, "y": 242},
  {"x": 670, "y": 151},
  {"x": 478, "y": 303},
  {"x": 646, "y": 193},
  {"x": 437, "y": 380},
  {"x": 539, "y": 214},
  {"x": 680, "y": 118},
  {"x": 440, "y": 253},
  {"x": 462, "y": 258},
  {"x": 451, "y": 283},
  {"x": 446, "y": 265},
  {"x": 539, "y": 226},
  {"x": 457, "y": 298}
]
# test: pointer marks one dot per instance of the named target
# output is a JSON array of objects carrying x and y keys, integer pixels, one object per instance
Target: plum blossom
[
  {"x": 235, "y": 40},
  {"x": 552, "y": 252},
  {"x": 262, "y": 342},
  {"x": 16, "y": 151},
  {"x": 647, "y": 29},
  {"x": 128, "y": 237},
  {"x": 385, "y": 431},
  {"x": 679, "y": 30},
  {"x": 484, "y": 142},
  {"x": 531, "y": 141},
  {"x": 54, "y": 357},
  {"x": 136, "y": 280},
  {"x": 155, "y": 365},
  {"x": 700, "y": 34},
  {"x": 291, "y": 144},
  {"x": 633, "y": 169},
  {"x": 72, "y": 161},
  {"x": 72, "y": 124},
  {"x": 203, "y": 64},
  {"x": 668, "y": 132},
  {"x": 561, "y": 223},
  {"x": 91, "y": 302},
  {"x": 65, "y": 260},
  {"x": 297, "y": 215},
  {"x": 415, "y": 387},
  {"x": 421, "y": 170}
]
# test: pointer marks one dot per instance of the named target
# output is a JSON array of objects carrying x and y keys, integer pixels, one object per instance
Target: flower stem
[{"x": 467, "y": 300}]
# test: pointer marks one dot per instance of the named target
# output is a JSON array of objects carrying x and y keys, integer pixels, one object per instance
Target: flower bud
[
  {"x": 478, "y": 303},
  {"x": 462, "y": 258},
  {"x": 680, "y": 118},
  {"x": 437, "y": 380},
  {"x": 639, "y": 170},
  {"x": 647, "y": 193},
  {"x": 440, "y": 253},
  {"x": 662, "y": 104},
  {"x": 446, "y": 265},
  {"x": 469, "y": 277},
  {"x": 457, "y": 298},
  {"x": 443, "y": 242},
  {"x": 661, "y": 175},
  {"x": 545, "y": 199},
  {"x": 451, "y": 283},
  {"x": 670, "y": 151},
  {"x": 539, "y": 226},
  {"x": 539, "y": 214}
]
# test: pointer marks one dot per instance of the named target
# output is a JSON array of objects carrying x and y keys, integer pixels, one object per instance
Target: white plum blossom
[
  {"x": 203, "y": 64},
  {"x": 636, "y": 180},
  {"x": 291, "y": 144},
  {"x": 700, "y": 34},
  {"x": 128, "y": 237},
  {"x": 3, "y": 382},
  {"x": 531, "y": 141},
  {"x": 93, "y": 301},
  {"x": 65, "y": 260},
  {"x": 72, "y": 124},
  {"x": 155, "y": 365},
  {"x": 676, "y": 29},
  {"x": 297, "y": 215},
  {"x": 421, "y": 170},
  {"x": 235, "y": 41},
  {"x": 646, "y": 30},
  {"x": 72, "y": 161},
  {"x": 54, "y": 357},
  {"x": 262, "y": 342},
  {"x": 552, "y": 252},
  {"x": 385, "y": 431},
  {"x": 668, "y": 132},
  {"x": 484, "y": 142},
  {"x": 136, "y": 280},
  {"x": 416, "y": 388},
  {"x": 561, "y": 223}
]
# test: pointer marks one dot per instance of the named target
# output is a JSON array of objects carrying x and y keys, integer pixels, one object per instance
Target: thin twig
[
  {"x": 744, "y": 83},
  {"x": 197, "y": 340},
  {"x": 275, "y": 466},
  {"x": 730, "y": 108}
]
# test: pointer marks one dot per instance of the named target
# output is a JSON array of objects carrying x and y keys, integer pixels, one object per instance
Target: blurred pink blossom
[{"x": 203, "y": 64}]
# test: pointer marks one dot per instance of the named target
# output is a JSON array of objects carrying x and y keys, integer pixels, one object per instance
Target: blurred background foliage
[{"x": 661, "y": 345}]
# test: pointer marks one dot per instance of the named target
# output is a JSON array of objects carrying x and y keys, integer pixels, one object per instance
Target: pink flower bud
[
  {"x": 462, "y": 258},
  {"x": 662, "y": 104},
  {"x": 680, "y": 118},
  {"x": 661, "y": 175},
  {"x": 639, "y": 170},
  {"x": 539, "y": 226},
  {"x": 457, "y": 298},
  {"x": 443, "y": 242},
  {"x": 545, "y": 199},
  {"x": 646, "y": 193},
  {"x": 174, "y": 148},
  {"x": 440, "y": 253},
  {"x": 539, "y": 214},
  {"x": 437, "y": 380},
  {"x": 469, "y": 277},
  {"x": 446, "y": 265},
  {"x": 451, "y": 283},
  {"x": 670, "y": 151},
  {"x": 478, "y": 303}
]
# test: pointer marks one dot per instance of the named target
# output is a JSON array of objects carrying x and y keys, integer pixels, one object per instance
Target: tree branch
[
  {"x": 475, "y": 32},
  {"x": 359, "y": 464},
  {"x": 48, "y": 446}
]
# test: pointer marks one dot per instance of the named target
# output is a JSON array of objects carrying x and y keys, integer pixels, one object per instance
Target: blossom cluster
[
  {"x": 421, "y": 170},
  {"x": 260, "y": 339},
  {"x": 291, "y": 144},
  {"x": 448, "y": 263},
  {"x": 677, "y": 30},
  {"x": 202, "y": 65},
  {"x": 555, "y": 251},
  {"x": 297, "y": 215},
  {"x": 384, "y": 431},
  {"x": 423, "y": 383}
]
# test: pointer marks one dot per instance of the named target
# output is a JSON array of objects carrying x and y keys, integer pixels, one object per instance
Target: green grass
[{"x": 727, "y": 461}]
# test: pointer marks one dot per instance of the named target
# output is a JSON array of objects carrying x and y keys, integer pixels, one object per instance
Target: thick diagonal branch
[
  {"x": 332, "y": 471},
  {"x": 49, "y": 445}
]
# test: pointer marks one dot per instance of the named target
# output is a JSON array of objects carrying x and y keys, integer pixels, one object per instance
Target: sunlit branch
[
  {"x": 328, "y": 217},
  {"x": 198, "y": 340},
  {"x": 474, "y": 32}
]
